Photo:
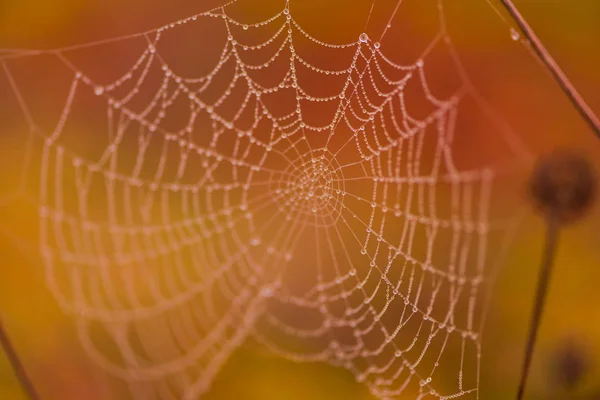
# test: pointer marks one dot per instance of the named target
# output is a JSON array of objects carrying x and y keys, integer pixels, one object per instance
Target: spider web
[{"x": 272, "y": 196}]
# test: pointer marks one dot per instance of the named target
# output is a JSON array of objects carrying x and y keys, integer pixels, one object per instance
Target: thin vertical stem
[
  {"x": 561, "y": 78},
  {"x": 552, "y": 231},
  {"x": 16, "y": 364}
]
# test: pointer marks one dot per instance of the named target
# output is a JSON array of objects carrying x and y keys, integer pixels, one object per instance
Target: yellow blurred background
[{"x": 503, "y": 70}]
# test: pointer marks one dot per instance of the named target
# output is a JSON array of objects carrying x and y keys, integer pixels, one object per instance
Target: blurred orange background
[{"x": 504, "y": 72}]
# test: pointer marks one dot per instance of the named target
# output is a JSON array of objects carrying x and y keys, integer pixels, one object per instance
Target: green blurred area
[{"x": 570, "y": 30}]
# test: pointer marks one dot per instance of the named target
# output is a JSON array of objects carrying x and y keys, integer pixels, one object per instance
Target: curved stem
[
  {"x": 552, "y": 231},
  {"x": 16, "y": 364},
  {"x": 561, "y": 78}
]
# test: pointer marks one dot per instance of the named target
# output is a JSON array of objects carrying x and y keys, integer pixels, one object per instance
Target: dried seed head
[
  {"x": 563, "y": 185},
  {"x": 571, "y": 362}
]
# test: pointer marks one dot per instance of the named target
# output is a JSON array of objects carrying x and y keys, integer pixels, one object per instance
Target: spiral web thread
[{"x": 175, "y": 245}]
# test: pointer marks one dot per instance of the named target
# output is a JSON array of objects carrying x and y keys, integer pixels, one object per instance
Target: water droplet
[
  {"x": 363, "y": 37},
  {"x": 377, "y": 45},
  {"x": 99, "y": 90},
  {"x": 514, "y": 34},
  {"x": 286, "y": 11},
  {"x": 245, "y": 27}
]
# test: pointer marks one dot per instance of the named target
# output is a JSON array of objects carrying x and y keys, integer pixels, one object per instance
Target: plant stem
[
  {"x": 561, "y": 78},
  {"x": 16, "y": 364},
  {"x": 552, "y": 231}
]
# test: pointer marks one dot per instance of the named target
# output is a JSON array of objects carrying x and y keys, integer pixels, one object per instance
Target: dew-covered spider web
[{"x": 306, "y": 194}]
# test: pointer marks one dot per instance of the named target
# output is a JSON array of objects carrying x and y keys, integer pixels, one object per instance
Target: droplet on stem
[{"x": 514, "y": 34}]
